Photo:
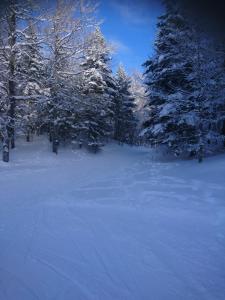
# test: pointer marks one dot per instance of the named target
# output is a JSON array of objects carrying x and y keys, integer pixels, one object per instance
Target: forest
[{"x": 56, "y": 79}]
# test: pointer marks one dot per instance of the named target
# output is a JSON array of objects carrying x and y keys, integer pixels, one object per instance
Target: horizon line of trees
[{"x": 56, "y": 78}]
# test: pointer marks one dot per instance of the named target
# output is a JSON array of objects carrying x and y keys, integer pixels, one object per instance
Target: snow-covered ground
[{"x": 113, "y": 226}]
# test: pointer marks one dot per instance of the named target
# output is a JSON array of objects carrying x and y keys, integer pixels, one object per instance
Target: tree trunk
[
  {"x": 50, "y": 136},
  {"x": 55, "y": 142},
  {"x": 28, "y": 136},
  {"x": 200, "y": 159},
  {"x": 12, "y": 63},
  {"x": 200, "y": 154},
  {"x": 5, "y": 152},
  {"x": 11, "y": 127}
]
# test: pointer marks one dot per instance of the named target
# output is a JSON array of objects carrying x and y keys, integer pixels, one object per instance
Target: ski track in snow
[{"x": 116, "y": 225}]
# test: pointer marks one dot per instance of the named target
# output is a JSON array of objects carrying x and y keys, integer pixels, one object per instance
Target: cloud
[
  {"x": 119, "y": 46},
  {"x": 133, "y": 12}
]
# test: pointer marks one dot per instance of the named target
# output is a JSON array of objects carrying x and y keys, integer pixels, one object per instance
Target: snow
[
  {"x": 157, "y": 128},
  {"x": 117, "y": 225},
  {"x": 190, "y": 118},
  {"x": 167, "y": 109}
]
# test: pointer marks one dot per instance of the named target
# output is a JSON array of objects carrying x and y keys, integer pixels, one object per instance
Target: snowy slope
[{"x": 112, "y": 226}]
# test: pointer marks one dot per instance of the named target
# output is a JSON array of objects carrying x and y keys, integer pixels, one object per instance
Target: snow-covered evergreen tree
[
  {"x": 98, "y": 91},
  {"x": 218, "y": 101},
  {"x": 138, "y": 90},
  {"x": 208, "y": 89},
  {"x": 172, "y": 119},
  {"x": 180, "y": 85},
  {"x": 125, "y": 121}
]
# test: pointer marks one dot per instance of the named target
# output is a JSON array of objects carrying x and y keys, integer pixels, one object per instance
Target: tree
[
  {"x": 138, "y": 90},
  {"x": 98, "y": 91},
  {"x": 180, "y": 84},
  {"x": 218, "y": 82},
  {"x": 32, "y": 70},
  {"x": 125, "y": 121},
  {"x": 65, "y": 44},
  {"x": 13, "y": 14}
]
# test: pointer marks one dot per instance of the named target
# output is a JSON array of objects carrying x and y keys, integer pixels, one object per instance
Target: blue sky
[{"x": 131, "y": 26}]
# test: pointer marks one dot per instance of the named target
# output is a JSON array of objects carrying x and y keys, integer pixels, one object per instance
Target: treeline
[
  {"x": 55, "y": 77},
  {"x": 186, "y": 84}
]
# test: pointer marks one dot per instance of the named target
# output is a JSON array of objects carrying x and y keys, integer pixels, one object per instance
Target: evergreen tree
[
  {"x": 125, "y": 121},
  {"x": 98, "y": 91},
  {"x": 138, "y": 90},
  {"x": 213, "y": 90},
  {"x": 179, "y": 79},
  {"x": 167, "y": 80},
  {"x": 218, "y": 117}
]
